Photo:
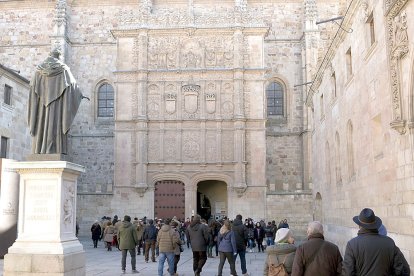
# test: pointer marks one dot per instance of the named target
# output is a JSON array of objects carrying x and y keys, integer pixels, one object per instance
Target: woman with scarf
[{"x": 227, "y": 248}]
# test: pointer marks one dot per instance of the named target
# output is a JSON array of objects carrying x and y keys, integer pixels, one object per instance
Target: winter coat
[
  {"x": 240, "y": 233},
  {"x": 150, "y": 233},
  {"x": 198, "y": 236},
  {"x": 269, "y": 231},
  {"x": 127, "y": 236},
  {"x": 259, "y": 233},
  {"x": 140, "y": 231},
  {"x": 227, "y": 242},
  {"x": 179, "y": 242},
  {"x": 167, "y": 239},
  {"x": 278, "y": 253},
  {"x": 370, "y": 254},
  {"x": 109, "y": 233},
  {"x": 96, "y": 231},
  {"x": 317, "y": 257}
]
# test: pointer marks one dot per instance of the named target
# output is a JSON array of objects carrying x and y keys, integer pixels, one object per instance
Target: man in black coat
[
  {"x": 370, "y": 253},
  {"x": 198, "y": 235},
  {"x": 241, "y": 235}
]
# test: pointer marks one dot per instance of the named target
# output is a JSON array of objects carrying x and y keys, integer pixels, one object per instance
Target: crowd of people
[{"x": 372, "y": 252}]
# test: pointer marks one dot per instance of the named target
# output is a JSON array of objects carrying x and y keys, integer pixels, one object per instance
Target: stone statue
[{"x": 53, "y": 102}]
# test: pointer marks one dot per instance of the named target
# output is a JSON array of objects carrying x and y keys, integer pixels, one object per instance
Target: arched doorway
[
  {"x": 169, "y": 199},
  {"x": 212, "y": 199}
]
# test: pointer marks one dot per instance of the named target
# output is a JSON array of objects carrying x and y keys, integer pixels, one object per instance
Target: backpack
[{"x": 278, "y": 270}]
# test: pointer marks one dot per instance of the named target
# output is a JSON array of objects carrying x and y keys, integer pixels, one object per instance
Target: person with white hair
[
  {"x": 317, "y": 256},
  {"x": 283, "y": 252}
]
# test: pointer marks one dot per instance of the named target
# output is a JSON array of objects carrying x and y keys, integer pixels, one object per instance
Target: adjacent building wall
[{"x": 362, "y": 128}]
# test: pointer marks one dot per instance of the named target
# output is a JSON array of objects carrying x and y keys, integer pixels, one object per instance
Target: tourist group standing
[{"x": 371, "y": 253}]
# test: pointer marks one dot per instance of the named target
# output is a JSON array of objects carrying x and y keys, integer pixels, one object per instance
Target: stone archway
[
  {"x": 169, "y": 199},
  {"x": 212, "y": 199}
]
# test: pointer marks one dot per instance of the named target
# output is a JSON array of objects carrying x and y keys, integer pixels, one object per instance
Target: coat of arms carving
[
  {"x": 210, "y": 103},
  {"x": 170, "y": 103},
  {"x": 190, "y": 92}
]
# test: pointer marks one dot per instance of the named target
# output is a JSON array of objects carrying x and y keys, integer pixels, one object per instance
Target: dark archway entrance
[
  {"x": 212, "y": 199},
  {"x": 169, "y": 199}
]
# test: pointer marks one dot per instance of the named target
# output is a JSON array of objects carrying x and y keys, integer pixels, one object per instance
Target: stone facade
[
  {"x": 190, "y": 102},
  {"x": 362, "y": 110},
  {"x": 13, "y": 124}
]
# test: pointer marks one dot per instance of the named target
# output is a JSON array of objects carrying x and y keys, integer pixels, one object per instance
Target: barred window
[
  {"x": 106, "y": 100},
  {"x": 4, "y": 147},
  {"x": 7, "y": 94},
  {"x": 275, "y": 98}
]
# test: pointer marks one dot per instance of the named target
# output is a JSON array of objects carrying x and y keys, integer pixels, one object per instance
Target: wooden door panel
[{"x": 169, "y": 199}]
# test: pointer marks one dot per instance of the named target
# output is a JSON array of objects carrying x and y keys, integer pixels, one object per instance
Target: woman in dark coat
[
  {"x": 96, "y": 233},
  {"x": 259, "y": 234}
]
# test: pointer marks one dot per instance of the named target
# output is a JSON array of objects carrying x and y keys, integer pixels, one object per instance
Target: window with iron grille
[
  {"x": 3, "y": 147},
  {"x": 275, "y": 99},
  {"x": 7, "y": 94},
  {"x": 106, "y": 100}
]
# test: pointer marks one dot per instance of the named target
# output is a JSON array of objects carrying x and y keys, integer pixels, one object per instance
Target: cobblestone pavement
[{"x": 101, "y": 262}]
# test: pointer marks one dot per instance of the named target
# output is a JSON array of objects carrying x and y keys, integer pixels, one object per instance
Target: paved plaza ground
[{"x": 108, "y": 263}]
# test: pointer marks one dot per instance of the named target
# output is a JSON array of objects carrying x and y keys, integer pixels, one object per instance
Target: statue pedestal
[{"x": 46, "y": 241}]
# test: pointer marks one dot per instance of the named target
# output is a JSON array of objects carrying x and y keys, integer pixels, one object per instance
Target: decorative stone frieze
[{"x": 397, "y": 48}]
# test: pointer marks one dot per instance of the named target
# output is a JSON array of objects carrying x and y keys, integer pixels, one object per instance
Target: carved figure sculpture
[{"x": 53, "y": 102}]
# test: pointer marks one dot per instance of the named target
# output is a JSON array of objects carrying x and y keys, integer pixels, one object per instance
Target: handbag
[
  {"x": 181, "y": 248},
  {"x": 278, "y": 270}
]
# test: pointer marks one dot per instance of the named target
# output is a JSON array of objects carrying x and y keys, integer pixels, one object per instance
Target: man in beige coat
[{"x": 167, "y": 241}]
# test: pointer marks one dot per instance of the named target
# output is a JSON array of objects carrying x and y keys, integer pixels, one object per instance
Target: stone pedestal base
[
  {"x": 44, "y": 264},
  {"x": 46, "y": 243}
]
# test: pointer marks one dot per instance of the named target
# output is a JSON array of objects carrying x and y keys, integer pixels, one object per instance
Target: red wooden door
[{"x": 169, "y": 199}]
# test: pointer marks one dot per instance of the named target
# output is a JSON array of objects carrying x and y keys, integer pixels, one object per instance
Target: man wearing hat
[{"x": 370, "y": 253}]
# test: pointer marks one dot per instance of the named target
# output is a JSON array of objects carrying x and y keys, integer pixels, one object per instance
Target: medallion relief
[{"x": 191, "y": 146}]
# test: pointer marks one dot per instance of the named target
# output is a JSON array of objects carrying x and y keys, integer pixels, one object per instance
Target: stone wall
[
  {"x": 363, "y": 135},
  {"x": 13, "y": 124},
  {"x": 92, "y": 56}
]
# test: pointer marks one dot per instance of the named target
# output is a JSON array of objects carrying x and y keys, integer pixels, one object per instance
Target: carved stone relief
[
  {"x": 153, "y": 146},
  {"x": 191, "y": 146},
  {"x": 211, "y": 146},
  {"x": 227, "y": 146},
  {"x": 190, "y": 94},
  {"x": 175, "y": 17},
  {"x": 227, "y": 106},
  {"x": 154, "y": 99},
  {"x": 397, "y": 47},
  {"x": 68, "y": 204},
  {"x": 170, "y": 146},
  {"x": 191, "y": 54}
]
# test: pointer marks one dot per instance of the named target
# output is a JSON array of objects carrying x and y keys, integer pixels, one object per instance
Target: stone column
[
  {"x": 46, "y": 242},
  {"x": 141, "y": 126}
]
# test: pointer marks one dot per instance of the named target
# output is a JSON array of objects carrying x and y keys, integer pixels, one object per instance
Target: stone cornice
[
  {"x": 189, "y": 31},
  {"x": 14, "y": 75},
  {"x": 330, "y": 53}
]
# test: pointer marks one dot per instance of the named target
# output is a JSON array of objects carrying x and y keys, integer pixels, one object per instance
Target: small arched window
[
  {"x": 106, "y": 100},
  {"x": 275, "y": 99}
]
